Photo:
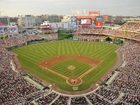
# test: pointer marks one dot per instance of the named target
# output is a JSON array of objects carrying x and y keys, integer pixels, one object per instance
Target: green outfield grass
[{"x": 30, "y": 56}]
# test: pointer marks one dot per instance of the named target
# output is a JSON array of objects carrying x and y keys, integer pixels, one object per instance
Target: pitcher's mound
[{"x": 71, "y": 67}]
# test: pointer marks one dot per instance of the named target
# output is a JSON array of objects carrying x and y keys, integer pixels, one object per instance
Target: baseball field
[{"x": 70, "y": 65}]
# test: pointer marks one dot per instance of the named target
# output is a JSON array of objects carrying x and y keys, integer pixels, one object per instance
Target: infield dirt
[{"x": 52, "y": 61}]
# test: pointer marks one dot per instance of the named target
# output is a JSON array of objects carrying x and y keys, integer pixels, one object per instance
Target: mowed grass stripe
[
  {"x": 31, "y": 55},
  {"x": 101, "y": 52}
]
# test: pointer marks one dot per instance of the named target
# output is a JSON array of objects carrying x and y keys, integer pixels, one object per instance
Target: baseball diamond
[{"x": 68, "y": 63}]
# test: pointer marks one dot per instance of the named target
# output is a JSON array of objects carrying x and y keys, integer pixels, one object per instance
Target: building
[
  {"x": 71, "y": 22},
  {"x": 7, "y": 27},
  {"x": 107, "y": 18},
  {"x": 5, "y": 20},
  {"x": 46, "y": 28},
  {"x": 38, "y": 20},
  {"x": 54, "y": 18},
  {"x": 9, "y": 30},
  {"x": 29, "y": 21}
]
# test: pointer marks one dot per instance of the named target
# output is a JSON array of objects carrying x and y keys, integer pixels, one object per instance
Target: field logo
[{"x": 75, "y": 88}]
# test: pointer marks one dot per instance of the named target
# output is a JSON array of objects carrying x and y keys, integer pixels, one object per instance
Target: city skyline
[{"x": 65, "y": 7}]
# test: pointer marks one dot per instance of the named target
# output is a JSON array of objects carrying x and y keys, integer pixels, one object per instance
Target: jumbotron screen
[{"x": 86, "y": 21}]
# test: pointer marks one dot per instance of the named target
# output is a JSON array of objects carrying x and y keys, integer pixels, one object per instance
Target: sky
[{"x": 65, "y": 7}]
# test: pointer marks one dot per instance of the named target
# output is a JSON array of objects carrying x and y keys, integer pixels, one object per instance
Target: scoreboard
[
  {"x": 86, "y": 21},
  {"x": 99, "y": 22}
]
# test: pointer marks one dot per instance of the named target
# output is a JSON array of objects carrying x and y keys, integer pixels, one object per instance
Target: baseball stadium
[
  {"x": 91, "y": 60},
  {"x": 96, "y": 66}
]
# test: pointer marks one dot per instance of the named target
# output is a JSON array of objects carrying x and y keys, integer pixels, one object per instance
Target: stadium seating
[
  {"x": 133, "y": 26},
  {"x": 106, "y": 32},
  {"x": 12, "y": 85},
  {"x": 124, "y": 90}
]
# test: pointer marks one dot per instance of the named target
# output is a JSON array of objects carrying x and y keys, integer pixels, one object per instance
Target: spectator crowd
[
  {"x": 19, "y": 40},
  {"x": 133, "y": 26},
  {"x": 106, "y": 32},
  {"x": 12, "y": 85}
]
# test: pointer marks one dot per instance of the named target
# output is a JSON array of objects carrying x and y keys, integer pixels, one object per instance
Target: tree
[{"x": 108, "y": 39}]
